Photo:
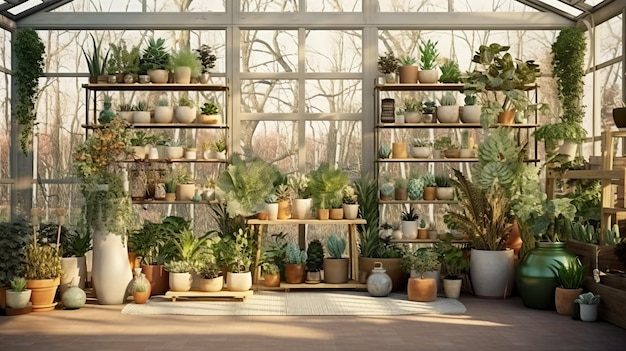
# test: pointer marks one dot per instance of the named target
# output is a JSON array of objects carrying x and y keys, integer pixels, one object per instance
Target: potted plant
[
  {"x": 271, "y": 274},
  {"x": 470, "y": 113},
  {"x": 125, "y": 112},
  {"x": 302, "y": 202},
  {"x": 140, "y": 288},
  {"x": 450, "y": 72},
  {"x": 384, "y": 151},
  {"x": 273, "y": 256},
  {"x": 428, "y": 62},
  {"x": 428, "y": 111},
  {"x": 415, "y": 188},
  {"x": 192, "y": 249},
  {"x": 430, "y": 186},
  {"x": 570, "y": 278},
  {"x": 180, "y": 279},
  {"x": 219, "y": 149},
  {"x": 211, "y": 278},
  {"x": 467, "y": 145},
  {"x": 185, "y": 112},
  {"x": 209, "y": 113},
  {"x": 295, "y": 264},
  {"x": 408, "y": 71},
  {"x": 350, "y": 202},
  {"x": 163, "y": 112},
  {"x": 185, "y": 65},
  {"x": 372, "y": 247},
  {"x": 185, "y": 184},
  {"x": 283, "y": 197},
  {"x": 18, "y": 296},
  {"x": 420, "y": 148},
  {"x": 314, "y": 262},
  {"x": 448, "y": 112},
  {"x": 244, "y": 184},
  {"x": 387, "y": 190},
  {"x": 207, "y": 61},
  {"x": 29, "y": 51},
  {"x": 14, "y": 237},
  {"x": 502, "y": 79},
  {"x": 422, "y": 229},
  {"x": 441, "y": 145},
  {"x": 420, "y": 287},
  {"x": 568, "y": 65},
  {"x": 388, "y": 65},
  {"x": 96, "y": 62},
  {"x": 400, "y": 189},
  {"x": 141, "y": 114},
  {"x": 154, "y": 61},
  {"x": 73, "y": 261},
  {"x": 444, "y": 191},
  {"x": 336, "y": 266},
  {"x": 109, "y": 211},
  {"x": 454, "y": 264},
  {"x": 123, "y": 61},
  {"x": 409, "y": 223},
  {"x": 588, "y": 306},
  {"x": 412, "y": 110},
  {"x": 326, "y": 183},
  {"x": 170, "y": 188}
]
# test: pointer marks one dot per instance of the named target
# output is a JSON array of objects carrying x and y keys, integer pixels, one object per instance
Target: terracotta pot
[
  {"x": 408, "y": 74},
  {"x": 422, "y": 233},
  {"x": 284, "y": 209},
  {"x": 506, "y": 117},
  {"x": 401, "y": 193},
  {"x": 422, "y": 290},
  {"x": 323, "y": 214},
  {"x": 295, "y": 273},
  {"x": 336, "y": 213},
  {"x": 170, "y": 197},
  {"x": 159, "y": 278},
  {"x": 141, "y": 297},
  {"x": 564, "y": 299},
  {"x": 430, "y": 193},
  {"x": 43, "y": 292},
  {"x": 271, "y": 280}
]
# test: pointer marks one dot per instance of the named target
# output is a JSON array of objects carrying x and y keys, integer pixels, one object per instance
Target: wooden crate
[
  {"x": 593, "y": 256},
  {"x": 612, "y": 306}
]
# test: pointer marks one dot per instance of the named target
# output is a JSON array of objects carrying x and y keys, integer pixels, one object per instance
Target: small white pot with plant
[
  {"x": 409, "y": 224},
  {"x": 412, "y": 110},
  {"x": 428, "y": 73},
  {"x": 470, "y": 113},
  {"x": 141, "y": 115},
  {"x": 18, "y": 296},
  {"x": 209, "y": 113},
  {"x": 163, "y": 112},
  {"x": 448, "y": 112},
  {"x": 588, "y": 306},
  {"x": 420, "y": 148},
  {"x": 185, "y": 112}
]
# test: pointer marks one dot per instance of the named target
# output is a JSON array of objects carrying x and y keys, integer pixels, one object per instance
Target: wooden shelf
[
  {"x": 155, "y": 87},
  {"x": 433, "y": 87},
  {"x": 446, "y": 160},
  {"x": 418, "y": 202},
  {"x": 164, "y": 126},
  {"x": 218, "y": 295},
  {"x": 163, "y": 202},
  {"x": 448, "y": 125},
  {"x": 417, "y": 241},
  {"x": 174, "y": 160},
  {"x": 306, "y": 221},
  {"x": 351, "y": 284}
]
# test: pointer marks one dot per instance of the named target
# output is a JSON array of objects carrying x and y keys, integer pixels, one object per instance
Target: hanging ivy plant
[{"x": 29, "y": 53}]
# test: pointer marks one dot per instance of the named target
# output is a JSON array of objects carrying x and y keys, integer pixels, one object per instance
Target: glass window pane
[
  {"x": 5, "y": 198},
  {"x": 274, "y": 141},
  {"x": 334, "y": 51},
  {"x": 191, "y": 6},
  {"x": 334, "y": 6},
  {"x": 270, "y": 6},
  {"x": 491, "y": 6},
  {"x": 5, "y": 50},
  {"x": 609, "y": 38},
  {"x": 610, "y": 81},
  {"x": 269, "y": 96},
  {"x": 336, "y": 142},
  {"x": 333, "y": 96},
  {"x": 100, "y": 6},
  {"x": 269, "y": 51},
  {"x": 412, "y": 6}
]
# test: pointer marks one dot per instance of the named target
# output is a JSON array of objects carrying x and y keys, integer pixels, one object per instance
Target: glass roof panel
[
  {"x": 16, "y": 10},
  {"x": 571, "y": 10}
]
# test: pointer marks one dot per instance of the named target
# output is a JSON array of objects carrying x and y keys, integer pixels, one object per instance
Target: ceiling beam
[
  {"x": 541, "y": 6},
  {"x": 605, "y": 11},
  {"x": 208, "y": 20},
  {"x": 7, "y": 23}
]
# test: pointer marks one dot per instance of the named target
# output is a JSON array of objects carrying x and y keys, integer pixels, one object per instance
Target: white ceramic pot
[
  {"x": 429, "y": 76},
  {"x": 174, "y": 152},
  {"x": 73, "y": 267},
  {"x": 185, "y": 192},
  {"x": 466, "y": 153},
  {"x": 448, "y": 114},
  {"x": 301, "y": 208},
  {"x": 180, "y": 281},
  {"x": 191, "y": 153},
  {"x": 18, "y": 299},
  {"x": 272, "y": 211},
  {"x": 412, "y": 117},
  {"x": 141, "y": 117},
  {"x": 471, "y": 113},
  {"x": 153, "y": 153},
  {"x": 492, "y": 273},
  {"x": 400, "y": 118},
  {"x": 350, "y": 211},
  {"x": 409, "y": 230},
  {"x": 212, "y": 285},
  {"x": 139, "y": 152},
  {"x": 420, "y": 151},
  {"x": 163, "y": 114},
  {"x": 182, "y": 75},
  {"x": 159, "y": 76},
  {"x": 185, "y": 114},
  {"x": 452, "y": 287},
  {"x": 239, "y": 281},
  {"x": 110, "y": 272},
  {"x": 127, "y": 116},
  {"x": 445, "y": 193}
]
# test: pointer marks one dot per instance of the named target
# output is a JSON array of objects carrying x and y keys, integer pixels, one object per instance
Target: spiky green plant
[
  {"x": 315, "y": 256},
  {"x": 428, "y": 55},
  {"x": 483, "y": 214},
  {"x": 18, "y": 284},
  {"x": 96, "y": 62},
  {"x": 186, "y": 58},
  {"x": 190, "y": 248},
  {"x": 447, "y": 99},
  {"x": 294, "y": 255},
  {"x": 571, "y": 274},
  {"x": 450, "y": 72},
  {"x": 336, "y": 246}
]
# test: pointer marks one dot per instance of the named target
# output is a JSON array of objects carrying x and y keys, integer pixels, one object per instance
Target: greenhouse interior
[{"x": 319, "y": 174}]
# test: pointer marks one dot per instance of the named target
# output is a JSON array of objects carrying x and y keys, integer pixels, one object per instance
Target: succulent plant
[
  {"x": 336, "y": 246},
  {"x": 295, "y": 255},
  {"x": 315, "y": 256},
  {"x": 416, "y": 188},
  {"x": 387, "y": 189},
  {"x": 447, "y": 99},
  {"x": 384, "y": 151}
]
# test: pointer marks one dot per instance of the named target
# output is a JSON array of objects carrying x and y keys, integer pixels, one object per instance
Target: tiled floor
[{"x": 488, "y": 325}]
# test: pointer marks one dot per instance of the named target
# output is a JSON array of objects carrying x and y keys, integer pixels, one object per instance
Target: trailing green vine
[{"x": 29, "y": 59}]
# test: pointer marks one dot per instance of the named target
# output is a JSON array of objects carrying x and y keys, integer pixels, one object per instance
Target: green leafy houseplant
[
  {"x": 152, "y": 242},
  {"x": 315, "y": 256},
  {"x": 428, "y": 55},
  {"x": 186, "y": 58},
  {"x": 206, "y": 57},
  {"x": 326, "y": 184},
  {"x": 420, "y": 261},
  {"x": 41, "y": 262},
  {"x": 451, "y": 257},
  {"x": 96, "y": 62},
  {"x": 77, "y": 244},
  {"x": 408, "y": 60},
  {"x": 450, "y": 72},
  {"x": 190, "y": 248},
  {"x": 14, "y": 237},
  {"x": 588, "y": 298},
  {"x": 245, "y": 185},
  {"x": 388, "y": 63},
  {"x": 412, "y": 104},
  {"x": 123, "y": 59},
  {"x": 209, "y": 108},
  {"x": 178, "y": 267},
  {"x": 570, "y": 275},
  {"x": 237, "y": 250},
  {"x": 274, "y": 252},
  {"x": 29, "y": 53},
  {"x": 154, "y": 56}
]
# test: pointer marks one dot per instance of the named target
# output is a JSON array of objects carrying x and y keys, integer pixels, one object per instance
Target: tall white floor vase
[{"x": 111, "y": 271}]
